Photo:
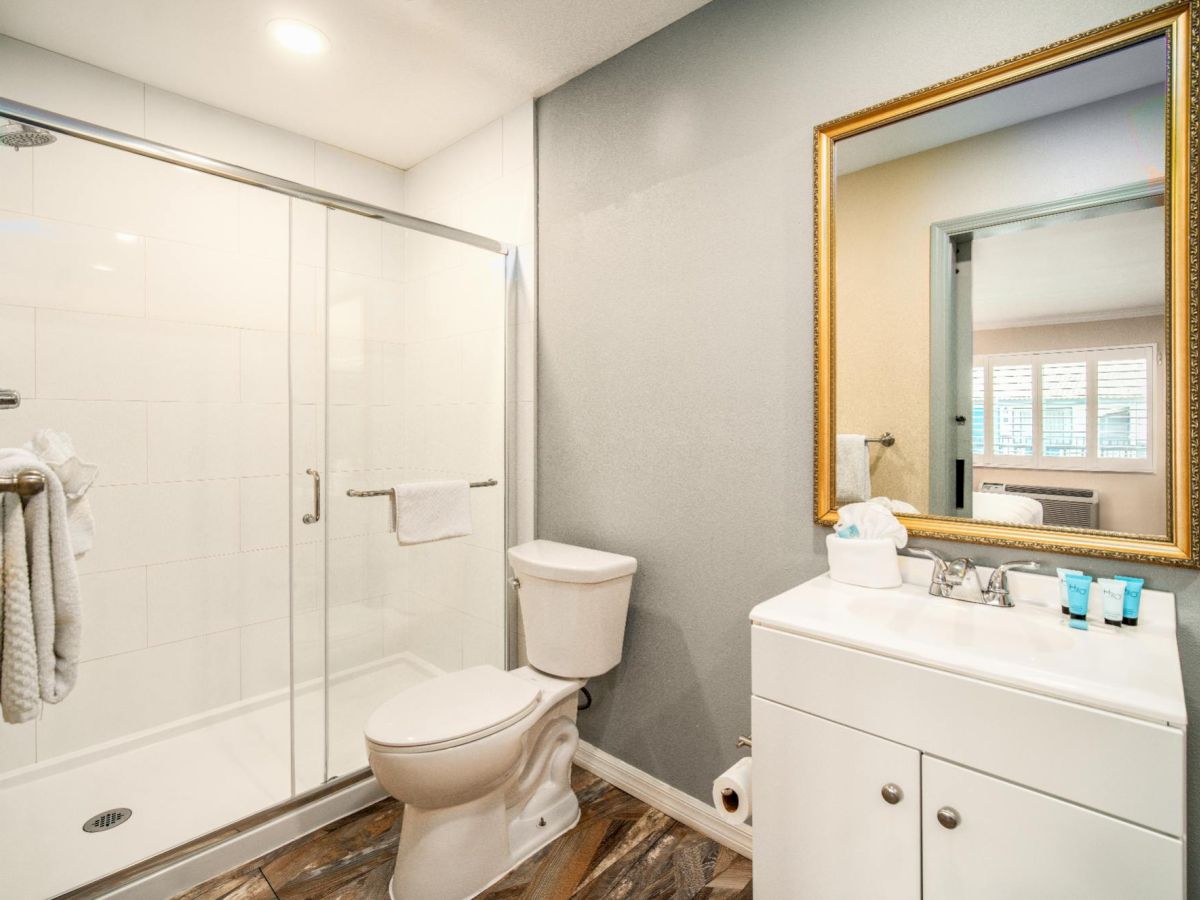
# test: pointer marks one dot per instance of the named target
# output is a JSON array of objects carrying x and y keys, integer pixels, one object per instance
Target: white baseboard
[{"x": 675, "y": 803}]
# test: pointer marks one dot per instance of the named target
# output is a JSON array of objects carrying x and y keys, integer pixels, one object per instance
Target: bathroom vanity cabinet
[{"x": 907, "y": 746}]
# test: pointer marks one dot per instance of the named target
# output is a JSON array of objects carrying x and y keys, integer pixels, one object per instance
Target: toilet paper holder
[{"x": 743, "y": 741}]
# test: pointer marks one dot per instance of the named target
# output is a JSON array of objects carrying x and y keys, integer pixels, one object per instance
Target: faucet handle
[
  {"x": 997, "y": 589},
  {"x": 939, "y": 561}
]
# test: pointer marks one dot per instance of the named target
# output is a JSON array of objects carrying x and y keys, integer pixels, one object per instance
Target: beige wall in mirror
[{"x": 1055, "y": 354}]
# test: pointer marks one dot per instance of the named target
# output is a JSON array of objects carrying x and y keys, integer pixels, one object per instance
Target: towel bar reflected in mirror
[
  {"x": 886, "y": 439},
  {"x": 24, "y": 484},
  {"x": 387, "y": 492}
]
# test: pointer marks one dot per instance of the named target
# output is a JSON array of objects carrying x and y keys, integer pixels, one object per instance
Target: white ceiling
[
  {"x": 402, "y": 78},
  {"x": 1101, "y": 268},
  {"x": 1095, "y": 79}
]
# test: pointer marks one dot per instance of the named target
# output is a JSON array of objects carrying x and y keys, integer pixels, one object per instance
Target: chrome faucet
[{"x": 958, "y": 579}]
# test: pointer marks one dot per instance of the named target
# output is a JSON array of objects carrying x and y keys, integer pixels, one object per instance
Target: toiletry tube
[
  {"x": 1133, "y": 597},
  {"x": 1112, "y": 597},
  {"x": 1062, "y": 588},
  {"x": 731, "y": 792},
  {"x": 1079, "y": 587}
]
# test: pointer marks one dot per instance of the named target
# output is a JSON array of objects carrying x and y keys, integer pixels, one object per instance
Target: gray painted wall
[{"x": 675, "y": 337}]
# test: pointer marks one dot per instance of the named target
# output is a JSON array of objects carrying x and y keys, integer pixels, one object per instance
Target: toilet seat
[{"x": 450, "y": 710}]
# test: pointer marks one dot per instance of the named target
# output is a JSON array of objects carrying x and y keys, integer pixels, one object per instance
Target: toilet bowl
[{"x": 481, "y": 758}]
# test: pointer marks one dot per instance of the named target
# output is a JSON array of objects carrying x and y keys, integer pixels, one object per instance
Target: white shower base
[{"x": 182, "y": 780}]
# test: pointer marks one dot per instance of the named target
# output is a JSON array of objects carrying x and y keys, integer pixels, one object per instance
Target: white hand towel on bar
[
  {"x": 432, "y": 511},
  {"x": 50, "y": 589},
  {"x": 853, "y": 467}
]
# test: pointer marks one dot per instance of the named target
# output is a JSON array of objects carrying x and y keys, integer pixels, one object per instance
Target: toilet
[{"x": 481, "y": 758}]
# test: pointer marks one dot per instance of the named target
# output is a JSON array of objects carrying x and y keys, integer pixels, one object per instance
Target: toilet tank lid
[
  {"x": 452, "y": 708},
  {"x": 565, "y": 562}
]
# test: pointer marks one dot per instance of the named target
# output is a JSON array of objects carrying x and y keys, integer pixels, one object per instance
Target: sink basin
[{"x": 1132, "y": 670}]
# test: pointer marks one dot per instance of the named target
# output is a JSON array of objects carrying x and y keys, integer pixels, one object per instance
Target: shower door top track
[{"x": 98, "y": 134}]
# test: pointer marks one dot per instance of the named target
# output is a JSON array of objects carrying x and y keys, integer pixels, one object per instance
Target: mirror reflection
[{"x": 1001, "y": 290}]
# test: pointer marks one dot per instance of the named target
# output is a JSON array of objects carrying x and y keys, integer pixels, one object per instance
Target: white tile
[
  {"x": 119, "y": 191},
  {"x": 58, "y": 265},
  {"x": 519, "y": 138},
  {"x": 347, "y": 576},
  {"x": 121, "y": 522},
  {"x": 392, "y": 262},
  {"x": 264, "y": 367},
  {"x": 385, "y": 437},
  {"x": 487, "y": 516},
  {"x": 191, "y": 283},
  {"x": 459, "y": 169},
  {"x": 483, "y": 367},
  {"x": 194, "y": 441},
  {"x": 109, "y": 434},
  {"x": 524, "y": 265},
  {"x": 203, "y": 596},
  {"x": 355, "y": 244},
  {"x": 503, "y": 209},
  {"x": 482, "y": 594},
  {"x": 262, "y": 438},
  {"x": 436, "y": 634},
  {"x": 41, "y": 78},
  {"x": 347, "y": 439},
  {"x": 20, "y": 348},
  {"x": 264, "y": 512},
  {"x": 359, "y": 177},
  {"x": 113, "y": 611},
  {"x": 308, "y": 233},
  {"x": 388, "y": 565},
  {"x": 482, "y": 644},
  {"x": 16, "y": 182},
  {"x": 190, "y": 519},
  {"x": 264, "y": 222},
  {"x": 265, "y": 658},
  {"x": 397, "y": 624},
  {"x": 121, "y": 694},
  {"x": 91, "y": 357},
  {"x": 307, "y": 299},
  {"x": 182, "y": 122}
]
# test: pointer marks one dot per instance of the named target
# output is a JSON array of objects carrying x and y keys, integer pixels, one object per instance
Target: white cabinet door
[
  {"x": 822, "y": 828},
  {"x": 1011, "y": 842}
]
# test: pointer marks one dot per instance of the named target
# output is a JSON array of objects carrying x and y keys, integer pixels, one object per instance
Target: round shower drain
[{"x": 110, "y": 818}]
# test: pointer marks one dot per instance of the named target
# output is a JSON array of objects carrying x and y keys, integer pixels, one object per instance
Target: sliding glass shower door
[{"x": 410, "y": 338}]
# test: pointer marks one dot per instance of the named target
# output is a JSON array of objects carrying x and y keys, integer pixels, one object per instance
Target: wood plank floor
[{"x": 621, "y": 848}]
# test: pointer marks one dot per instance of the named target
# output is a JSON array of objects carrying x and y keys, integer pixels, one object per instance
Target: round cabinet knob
[
  {"x": 892, "y": 793},
  {"x": 948, "y": 817}
]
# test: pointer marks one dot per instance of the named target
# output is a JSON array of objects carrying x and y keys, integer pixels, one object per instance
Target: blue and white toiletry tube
[
  {"x": 1078, "y": 589},
  {"x": 1112, "y": 595},
  {"x": 1062, "y": 588},
  {"x": 1133, "y": 598}
]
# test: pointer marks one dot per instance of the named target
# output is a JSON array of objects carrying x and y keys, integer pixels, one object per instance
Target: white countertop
[{"x": 1131, "y": 670}]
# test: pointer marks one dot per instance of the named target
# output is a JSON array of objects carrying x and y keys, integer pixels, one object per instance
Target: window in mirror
[{"x": 1085, "y": 410}]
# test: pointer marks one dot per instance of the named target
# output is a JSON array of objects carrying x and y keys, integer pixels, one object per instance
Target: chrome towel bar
[
  {"x": 886, "y": 439},
  {"x": 387, "y": 492},
  {"x": 25, "y": 483}
]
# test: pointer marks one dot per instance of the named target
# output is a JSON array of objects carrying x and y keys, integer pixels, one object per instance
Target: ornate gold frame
[{"x": 1180, "y": 23}]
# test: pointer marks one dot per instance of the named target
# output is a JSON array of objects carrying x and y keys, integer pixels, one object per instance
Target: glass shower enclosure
[{"x": 252, "y": 366}]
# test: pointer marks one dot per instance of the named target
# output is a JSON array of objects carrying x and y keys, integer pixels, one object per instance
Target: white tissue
[
  {"x": 733, "y": 807},
  {"x": 56, "y": 450},
  {"x": 874, "y": 521}
]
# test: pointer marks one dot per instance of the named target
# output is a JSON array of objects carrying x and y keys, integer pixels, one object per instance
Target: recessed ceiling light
[
  {"x": 297, "y": 36},
  {"x": 100, "y": 267},
  {"x": 126, "y": 237}
]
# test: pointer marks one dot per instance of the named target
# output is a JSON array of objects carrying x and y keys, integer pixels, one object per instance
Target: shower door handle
[{"x": 315, "y": 516}]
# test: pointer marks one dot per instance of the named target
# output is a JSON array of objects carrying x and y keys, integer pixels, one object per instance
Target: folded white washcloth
[
  {"x": 853, "y": 468},
  {"x": 896, "y": 506},
  {"x": 56, "y": 450},
  {"x": 432, "y": 511},
  {"x": 873, "y": 521}
]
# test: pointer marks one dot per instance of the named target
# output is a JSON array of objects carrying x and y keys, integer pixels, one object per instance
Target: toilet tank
[{"x": 573, "y": 605}]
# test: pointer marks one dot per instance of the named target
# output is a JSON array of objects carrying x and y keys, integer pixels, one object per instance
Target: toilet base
[{"x": 539, "y": 840}]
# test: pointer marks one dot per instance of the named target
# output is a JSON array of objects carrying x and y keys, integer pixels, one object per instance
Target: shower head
[{"x": 18, "y": 135}]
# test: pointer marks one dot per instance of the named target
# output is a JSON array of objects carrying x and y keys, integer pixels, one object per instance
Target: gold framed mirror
[{"x": 1006, "y": 314}]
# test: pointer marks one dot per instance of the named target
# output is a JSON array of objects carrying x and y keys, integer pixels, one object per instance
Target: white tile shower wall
[
  {"x": 145, "y": 312},
  {"x": 483, "y": 183}
]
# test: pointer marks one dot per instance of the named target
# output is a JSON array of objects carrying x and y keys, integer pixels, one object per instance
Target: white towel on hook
[
  {"x": 57, "y": 451},
  {"x": 18, "y": 646},
  {"x": 853, "y": 468},
  {"x": 50, "y": 580},
  {"x": 427, "y": 511}
]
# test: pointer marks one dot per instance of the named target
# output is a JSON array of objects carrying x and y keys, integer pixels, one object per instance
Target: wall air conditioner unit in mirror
[{"x": 1075, "y": 507}]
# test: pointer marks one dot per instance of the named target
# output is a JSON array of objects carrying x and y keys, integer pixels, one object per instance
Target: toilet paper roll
[{"x": 731, "y": 792}]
